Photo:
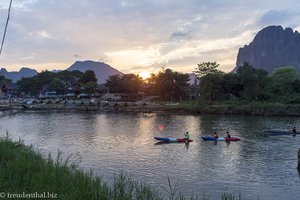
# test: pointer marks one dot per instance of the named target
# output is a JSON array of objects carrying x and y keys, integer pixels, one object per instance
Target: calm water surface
[{"x": 258, "y": 166}]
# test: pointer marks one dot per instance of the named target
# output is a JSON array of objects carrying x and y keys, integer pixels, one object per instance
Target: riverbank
[
  {"x": 232, "y": 108},
  {"x": 97, "y": 105},
  {"x": 240, "y": 108}
]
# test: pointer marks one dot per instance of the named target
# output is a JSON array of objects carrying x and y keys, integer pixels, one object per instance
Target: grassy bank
[
  {"x": 261, "y": 108},
  {"x": 244, "y": 108},
  {"x": 24, "y": 173},
  {"x": 23, "y": 170}
]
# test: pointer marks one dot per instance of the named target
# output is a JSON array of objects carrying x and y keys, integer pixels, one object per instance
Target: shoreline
[
  {"x": 243, "y": 109},
  {"x": 251, "y": 109}
]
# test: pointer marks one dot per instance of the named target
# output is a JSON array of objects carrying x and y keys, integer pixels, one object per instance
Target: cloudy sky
[{"x": 136, "y": 35}]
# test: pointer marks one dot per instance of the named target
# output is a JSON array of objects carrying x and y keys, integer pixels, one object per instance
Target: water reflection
[
  {"x": 110, "y": 143},
  {"x": 298, "y": 167},
  {"x": 185, "y": 144}
]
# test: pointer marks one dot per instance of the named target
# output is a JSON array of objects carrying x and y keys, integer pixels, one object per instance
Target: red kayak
[{"x": 210, "y": 138}]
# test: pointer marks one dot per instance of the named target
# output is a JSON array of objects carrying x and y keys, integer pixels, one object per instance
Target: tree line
[
  {"x": 59, "y": 82},
  {"x": 248, "y": 84},
  {"x": 245, "y": 84},
  {"x": 167, "y": 84}
]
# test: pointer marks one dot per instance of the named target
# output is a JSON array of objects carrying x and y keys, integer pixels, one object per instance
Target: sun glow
[{"x": 144, "y": 75}]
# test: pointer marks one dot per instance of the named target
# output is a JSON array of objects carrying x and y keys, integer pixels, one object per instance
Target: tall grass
[
  {"x": 23, "y": 169},
  {"x": 231, "y": 196}
]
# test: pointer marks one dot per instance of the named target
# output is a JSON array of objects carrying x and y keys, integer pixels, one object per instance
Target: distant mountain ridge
[
  {"x": 17, "y": 75},
  {"x": 102, "y": 70},
  {"x": 272, "y": 47}
]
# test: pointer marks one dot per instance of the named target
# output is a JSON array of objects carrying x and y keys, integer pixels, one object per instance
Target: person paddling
[
  {"x": 215, "y": 135},
  {"x": 228, "y": 134},
  {"x": 294, "y": 131},
  {"x": 187, "y": 136}
]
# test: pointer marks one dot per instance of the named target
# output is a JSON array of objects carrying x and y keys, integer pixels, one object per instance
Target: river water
[{"x": 257, "y": 167}]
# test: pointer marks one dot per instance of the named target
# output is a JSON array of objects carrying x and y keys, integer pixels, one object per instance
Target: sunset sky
[{"x": 136, "y": 36}]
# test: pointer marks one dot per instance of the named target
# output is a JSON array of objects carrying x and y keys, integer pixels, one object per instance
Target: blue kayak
[
  {"x": 163, "y": 139},
  {"x": 280, "y": 132}
]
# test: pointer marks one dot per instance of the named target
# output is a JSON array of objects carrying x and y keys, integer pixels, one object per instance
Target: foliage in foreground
[{"x": 22, "y": 169}]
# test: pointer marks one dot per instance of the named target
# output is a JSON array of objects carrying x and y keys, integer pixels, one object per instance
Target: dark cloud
[
  {"x": 76, "y": 56},
  {"x": 105, "y": 59},
  {"x": 276, "y": 17},
  {"x": 180, "y": 35}
]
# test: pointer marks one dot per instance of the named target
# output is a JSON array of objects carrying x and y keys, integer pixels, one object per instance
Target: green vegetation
[
  {"x": 4, "y": 80},
  {"x": 167, "y": 84},
  {"x": 59, "y": 82},
  {"x": 127, "y": 83},
  {"x": 24, "y": 170},
  {"x": 248, "y": 91},
  {"x": 248, "y": 84},
  {"x": 244, "y": 108}
]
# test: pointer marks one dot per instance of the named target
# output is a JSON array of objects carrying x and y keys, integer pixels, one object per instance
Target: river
[{"x": 257, "y": 167}]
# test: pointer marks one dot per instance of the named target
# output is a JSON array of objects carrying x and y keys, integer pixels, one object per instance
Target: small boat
[
  {"x": 280, "y": 132},
  {"x": 210, "y": 138},
  {"x": 163, "y": 139}
]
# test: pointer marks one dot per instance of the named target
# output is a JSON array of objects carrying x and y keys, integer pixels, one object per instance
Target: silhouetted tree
[
  {"x": 211, "y": 81},
  {"x": 113, "y": 83},
  {"x": 170, "y": 85},
  {"x": 206, "y": 68},
  {"x": 253, "y": 81}
]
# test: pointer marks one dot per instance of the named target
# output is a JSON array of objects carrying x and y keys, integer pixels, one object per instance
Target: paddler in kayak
[
  {"x": 227, "y": 135},
  {"x": 215, "y": 135},
  {"x": 294, "y": 131},
  {"x": 187, "y": 137}
]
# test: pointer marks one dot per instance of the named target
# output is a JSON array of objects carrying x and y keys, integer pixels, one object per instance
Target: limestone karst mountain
[{"x": 272, "y": 47}]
